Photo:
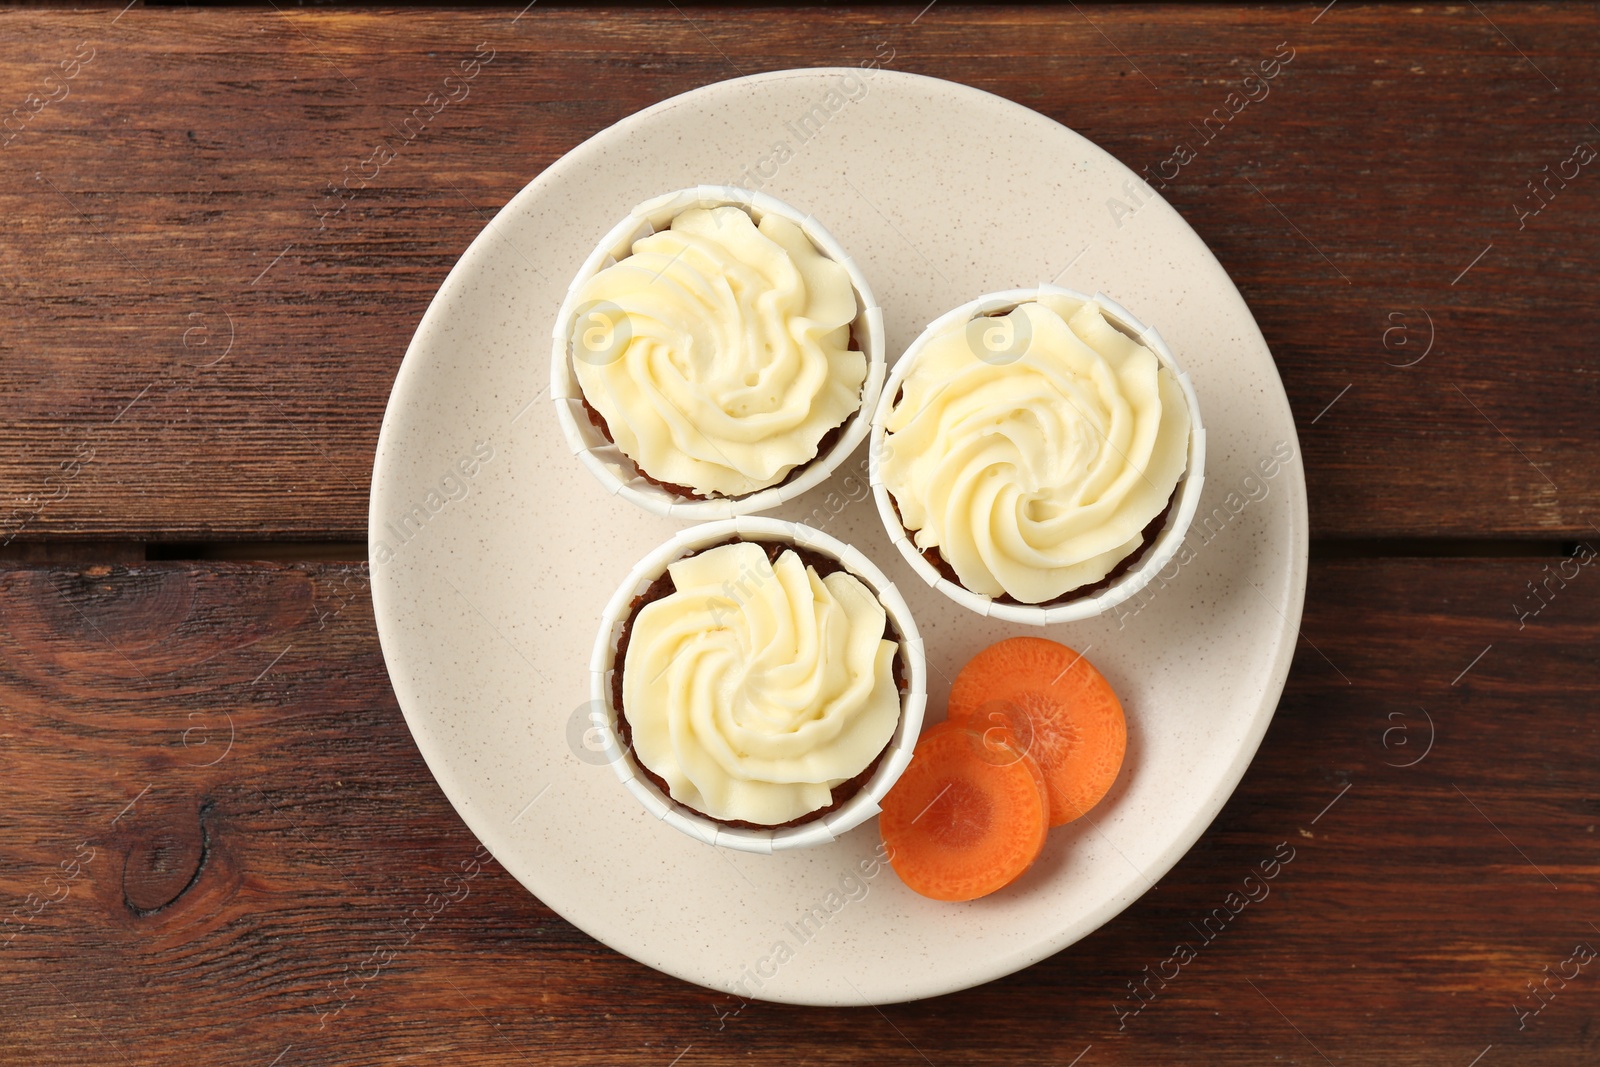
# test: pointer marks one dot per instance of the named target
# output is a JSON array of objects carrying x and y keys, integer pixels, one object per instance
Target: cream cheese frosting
[
  {"x": 1033, "y": 457},
  {"x": 719, "y": 351},
  {"x": 756, "y": 687}
]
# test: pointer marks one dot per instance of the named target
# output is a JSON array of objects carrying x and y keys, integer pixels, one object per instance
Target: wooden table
[{"x": 215, "y": 825}]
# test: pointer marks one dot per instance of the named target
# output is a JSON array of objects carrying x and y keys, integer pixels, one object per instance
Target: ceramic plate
[{"x": 493, "y": 551}]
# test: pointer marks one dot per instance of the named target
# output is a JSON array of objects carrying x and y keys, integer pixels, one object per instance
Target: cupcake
[
  {"x": 716, "y": 355},
  {"x": 1037, "y": 455},
  {"x": 763, "y": 684}
]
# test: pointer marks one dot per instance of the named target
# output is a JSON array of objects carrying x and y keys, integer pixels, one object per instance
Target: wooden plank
[
  {"x": 197, "y": 349},
  {"x": 286, "y": 899}
]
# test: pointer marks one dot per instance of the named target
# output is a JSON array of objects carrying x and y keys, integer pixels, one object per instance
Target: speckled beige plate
[{"x": 493, "y": 552}]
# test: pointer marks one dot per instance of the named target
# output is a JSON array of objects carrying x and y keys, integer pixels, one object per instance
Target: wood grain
[
  {"x": 197, "y": 349},
  {"x": 251, "y": 903}
]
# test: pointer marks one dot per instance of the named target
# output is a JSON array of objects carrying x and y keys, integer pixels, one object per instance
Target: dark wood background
[{"x": 211, "y": 813}]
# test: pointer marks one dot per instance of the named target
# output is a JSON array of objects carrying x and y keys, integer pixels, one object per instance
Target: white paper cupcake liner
[
  {"x": 615, "y": 471},
  {"x": 853, "y": 812},
  {"x": 1167, "y": 541}
]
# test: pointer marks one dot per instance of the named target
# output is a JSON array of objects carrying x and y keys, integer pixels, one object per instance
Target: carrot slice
[
  {"x": 961, "y": 823},
  {"x": 1059, "y": 709}
]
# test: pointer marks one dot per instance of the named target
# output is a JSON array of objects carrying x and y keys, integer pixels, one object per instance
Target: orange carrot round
[
  {"x": 961, "y": 823},
  {"x": 1056, "y": 707}
]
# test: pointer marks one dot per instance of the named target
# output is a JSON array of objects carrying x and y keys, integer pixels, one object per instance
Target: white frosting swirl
[
  {"x": 719, "y": 352},
  {"x": 756, "y": 687},
  {"x": 1035, "y": 471}
]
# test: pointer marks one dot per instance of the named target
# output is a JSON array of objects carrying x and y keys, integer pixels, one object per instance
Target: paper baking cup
[
  {"x": 1167, "y": 541},
  {"x": 855, "y": 811},
  {"x": 616, "y": 472}
]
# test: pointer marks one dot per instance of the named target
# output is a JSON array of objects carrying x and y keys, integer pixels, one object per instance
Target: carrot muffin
[
  {"x": 1034, "y": 452},
  {"x": 758, "y": 683},
  {"x": 718, "y": 355}
]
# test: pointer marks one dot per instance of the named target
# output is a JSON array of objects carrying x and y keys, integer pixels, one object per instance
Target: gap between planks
[{"x": 62, "y": 550}]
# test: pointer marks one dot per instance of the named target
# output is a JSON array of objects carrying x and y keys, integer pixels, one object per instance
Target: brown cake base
[{"x": 661, "y": 588}]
